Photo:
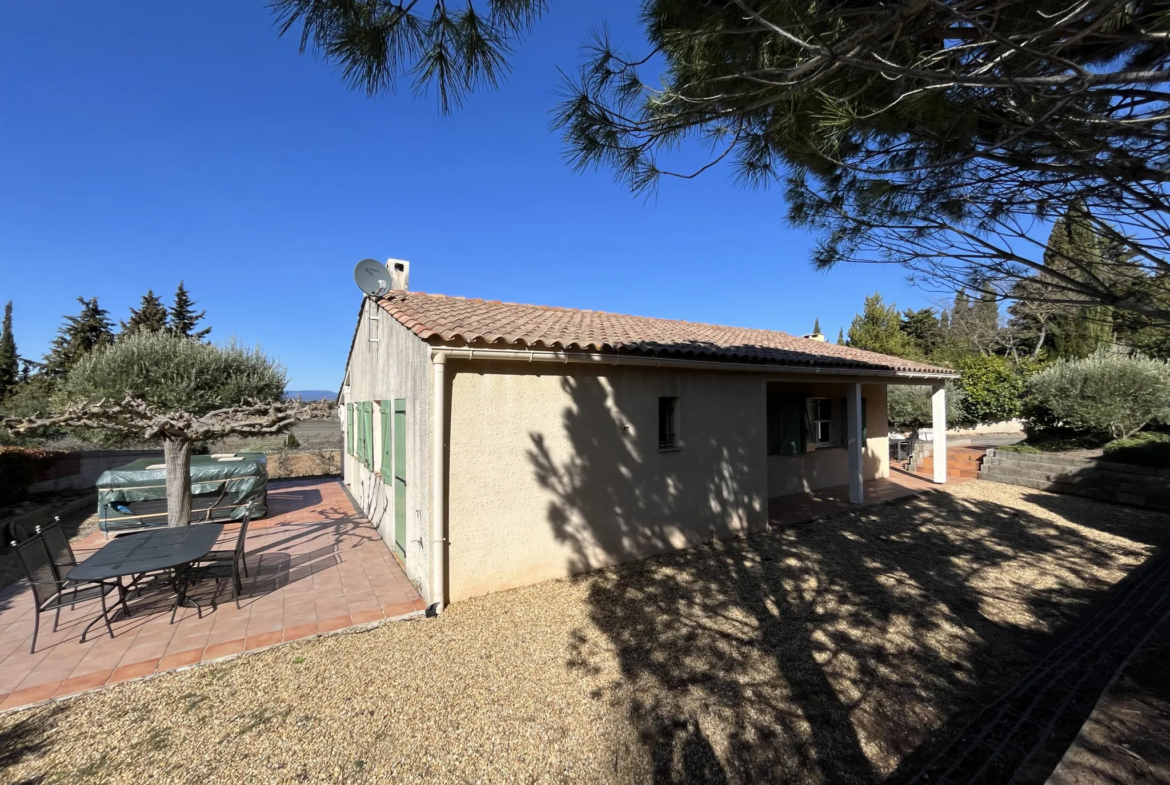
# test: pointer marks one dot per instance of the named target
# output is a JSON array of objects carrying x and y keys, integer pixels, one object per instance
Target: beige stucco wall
[
  {"x": 554, "y": 474},
  {"x": 829, "y": 466},
  {"x": 396, "y": 365}
]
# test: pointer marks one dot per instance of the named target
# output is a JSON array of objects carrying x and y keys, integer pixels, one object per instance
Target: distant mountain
[{"x": 312, "y": 395}]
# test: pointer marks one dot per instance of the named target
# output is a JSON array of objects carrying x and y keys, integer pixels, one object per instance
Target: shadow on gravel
[
  {"x": 28, "y": 736},
  {"x": 844, "y": 650}
]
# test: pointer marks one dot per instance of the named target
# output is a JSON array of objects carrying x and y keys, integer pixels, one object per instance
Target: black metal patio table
[{"x": 151, "y": 551}]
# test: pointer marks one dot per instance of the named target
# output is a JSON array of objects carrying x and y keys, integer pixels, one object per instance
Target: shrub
[
  {"x": 993, "y": 389},
  {"x": 908, "y": 407},
  {"x": 1143, "y": 449},
  {"x": 1021, "y": 447},
  {"x": 1109, "y": 393}
]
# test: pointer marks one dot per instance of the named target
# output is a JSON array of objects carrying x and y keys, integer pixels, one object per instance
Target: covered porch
[
  {"x": 826, "y": 434},
  {"x": 315, "y": 566}
]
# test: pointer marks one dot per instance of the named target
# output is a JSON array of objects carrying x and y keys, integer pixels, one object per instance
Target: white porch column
[
  {"x": 938, "y": 405},
  {"x": 855, "y": 443}
]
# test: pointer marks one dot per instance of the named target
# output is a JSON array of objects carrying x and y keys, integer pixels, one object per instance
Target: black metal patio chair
[
  {"x": 220, "y": 565},
  {"x": 227, "y": 557},
  {"x": 60, "y": 551},
  {"x": 51, "y": 593},
  {"x": 17, "y": 532}
]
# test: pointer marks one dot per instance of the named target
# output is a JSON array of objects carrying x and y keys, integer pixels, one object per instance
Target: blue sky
[{"x": 143, "y": 142}]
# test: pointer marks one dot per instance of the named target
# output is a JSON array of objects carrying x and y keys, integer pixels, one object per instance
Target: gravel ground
[{"x": 841, "y": 650}]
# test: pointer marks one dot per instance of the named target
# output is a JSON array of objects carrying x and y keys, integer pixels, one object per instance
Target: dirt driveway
[{"x": 845, "y": 650}]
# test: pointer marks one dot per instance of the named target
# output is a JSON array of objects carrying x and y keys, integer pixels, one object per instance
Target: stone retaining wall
[{"x": 1093, "y": 478}]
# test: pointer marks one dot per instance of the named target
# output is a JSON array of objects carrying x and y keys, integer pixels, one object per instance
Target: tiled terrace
[
  {"x": 803, "y": 506},
  {"x": 315, "y": 566}
]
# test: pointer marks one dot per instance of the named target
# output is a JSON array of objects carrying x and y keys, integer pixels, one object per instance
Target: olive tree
[
  {"x": 172, "y": 389},
  {"x": 1108, "y": 392},
  {"x": 909, "y": 407}
]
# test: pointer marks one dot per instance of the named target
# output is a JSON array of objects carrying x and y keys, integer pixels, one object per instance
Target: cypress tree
[
  {"x": 79, "y": 335},
  {"x": 1074, "y": 249},
  {"x": 840, "y": 336},
  {"x": 183, "y": 317},
  {"x": 9, "y": 362},
  {"x": 150, "y": 316},
  {"x": 816, "y": 326}
]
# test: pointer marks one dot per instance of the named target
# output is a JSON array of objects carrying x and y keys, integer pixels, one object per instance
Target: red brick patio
[{"x": 315, "y": 566}]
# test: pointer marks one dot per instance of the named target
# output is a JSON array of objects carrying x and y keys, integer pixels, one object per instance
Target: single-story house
[{"x": 495, "y": 445}]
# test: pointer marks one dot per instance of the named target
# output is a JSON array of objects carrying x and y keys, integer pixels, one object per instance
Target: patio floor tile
[
  {"x": 180, "y": 659},
  {"x": 336, "y": 623},
  {"x": 35, "y": 694},
  {"x": 218, "y": 650},
  {"x": 300, "y": 631},
  {"x": 365, "y": 617},
  {"x": 400, "y": 609},
  {"x": 263, "y": 639},
  {"x": 82, "y": 683},
  {"x": 314, "y": 566},
  {"x": 133, "y": 671}
]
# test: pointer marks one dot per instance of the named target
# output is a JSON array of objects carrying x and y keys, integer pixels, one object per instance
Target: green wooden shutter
[
  {"x": 808, "y": 438},
  {"x": 349, "y": 428},
  {"x": 387, "y": 470},
  {"x": 400, "y": 477},
  {"x": 843, "y": 418},
  {"x": 357, "y": 431},
  {"x": 790, "y": 415},
  {"x": 367, "y": 434},
  {"x": 361, "y": 432}
]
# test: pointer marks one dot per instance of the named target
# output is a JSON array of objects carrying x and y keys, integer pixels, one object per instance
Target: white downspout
[{"x": 439, "y": 484}]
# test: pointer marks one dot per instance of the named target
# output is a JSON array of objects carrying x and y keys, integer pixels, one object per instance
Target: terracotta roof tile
[{"x": 463, "y": 321}]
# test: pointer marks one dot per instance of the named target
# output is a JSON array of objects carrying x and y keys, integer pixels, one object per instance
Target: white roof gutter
[{"x": 591, "y": 358}]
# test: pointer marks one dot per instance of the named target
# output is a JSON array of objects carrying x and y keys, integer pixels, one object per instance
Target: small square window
[{"x": 667, "y": 423}]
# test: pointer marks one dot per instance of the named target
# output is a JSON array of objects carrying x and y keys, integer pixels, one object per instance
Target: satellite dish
[{"x": 372, "y": 277}]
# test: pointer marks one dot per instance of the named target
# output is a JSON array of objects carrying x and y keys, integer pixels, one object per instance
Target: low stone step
[
  {"x": 961, "y": 459},
  {"x": 965, "y": 474}
]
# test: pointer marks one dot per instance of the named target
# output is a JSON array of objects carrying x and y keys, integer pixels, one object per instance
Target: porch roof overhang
[{"x": 783, "y": 372}]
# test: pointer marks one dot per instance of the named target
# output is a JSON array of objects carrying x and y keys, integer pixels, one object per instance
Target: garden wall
[
  {"x": 78, "y": 471},
  {"x": 1093, "y": 478}
]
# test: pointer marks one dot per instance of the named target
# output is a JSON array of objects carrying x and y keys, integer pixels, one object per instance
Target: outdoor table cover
[{"x": 229, "y": 483}]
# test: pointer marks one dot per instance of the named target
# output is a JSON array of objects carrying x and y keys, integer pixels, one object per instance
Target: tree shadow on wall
[{"x": 824, "y": 652}]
